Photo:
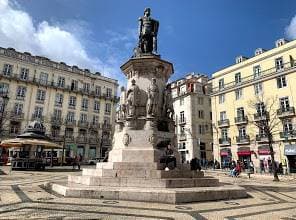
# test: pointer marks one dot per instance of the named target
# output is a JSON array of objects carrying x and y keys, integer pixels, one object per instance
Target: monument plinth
[{"x": 144, "y": 127}]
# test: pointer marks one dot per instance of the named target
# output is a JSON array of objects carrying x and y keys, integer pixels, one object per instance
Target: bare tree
[
  {"x": 267, "y": 121},
  {"x": 4, "y": 114}
]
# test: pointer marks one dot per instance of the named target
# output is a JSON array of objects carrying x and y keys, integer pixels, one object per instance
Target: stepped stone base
[{"x": 159, "y": 195}]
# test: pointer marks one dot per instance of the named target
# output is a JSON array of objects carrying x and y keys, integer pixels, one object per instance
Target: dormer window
[
  {"x": 240, "y": 59},
  {"x": 280, "y": 42},
  {"x": 259, "y": 51}
]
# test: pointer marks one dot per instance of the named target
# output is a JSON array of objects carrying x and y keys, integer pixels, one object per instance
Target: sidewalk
[{"x": 254, "y": 176}]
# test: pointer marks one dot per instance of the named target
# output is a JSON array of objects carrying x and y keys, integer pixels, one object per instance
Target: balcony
[
  {"x": 182, "y": 121},
  {"x": 107, "y": 142},
  {"x": 94, "y": 126},
  {"x": 94, "y": 140},
  {"x": 182, "y": 136},
  {"x": 223, "y": 123},
  {"x": 56, "y": 120},
  {"x": 288, "y": 135},
  {"x": 261, "y": 116},
  {"x": 70, "y": 122},
  {"x": 57, "y": 138},
  {"x": 69, "y": 139},
  {"x": 16, "y": 116},
  {"x": 106, "y": 126},
  {"x": 241, "y": 120},
  {"x": 261, "y": 138},
  {"x": 83, "y": 124},
  {"x": 286, "y": 112},
  {"x": 37, "y": 117},
  {"x": 81, "y": 140},
  {"x": 224, "y": 141},
  {"x": 243, "y": 139}
]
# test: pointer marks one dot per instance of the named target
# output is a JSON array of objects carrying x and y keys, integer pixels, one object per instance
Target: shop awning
[
  {"x": 263, "y": 152},
  {"x": 244, "y": 153},
  {"x": 18, "y": 142},
  {"x": 225, "y": 152}
]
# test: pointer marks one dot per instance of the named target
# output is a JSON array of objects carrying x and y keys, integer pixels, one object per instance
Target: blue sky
[{"x": 196, "y": 36}]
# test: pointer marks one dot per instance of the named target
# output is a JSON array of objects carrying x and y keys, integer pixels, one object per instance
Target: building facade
[
  {"x": 192, "y": 107},
  {"x": 76, "y": 106},
  {"x": 250, "y": 91}
]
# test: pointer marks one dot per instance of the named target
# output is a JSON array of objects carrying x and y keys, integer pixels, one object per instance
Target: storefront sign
[
  {"x": 243, "y": 153},
  {"x": 290, "y": 149},
  {"x": 263, "y": 152},
  {"x": 224, "y": 153}
]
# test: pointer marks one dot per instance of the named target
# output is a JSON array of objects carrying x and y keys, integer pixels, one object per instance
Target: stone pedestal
[{"x": 134, "y": 170}]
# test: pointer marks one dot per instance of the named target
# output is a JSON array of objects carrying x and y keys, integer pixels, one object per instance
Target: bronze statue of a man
[{"x": 148, "y": 29}]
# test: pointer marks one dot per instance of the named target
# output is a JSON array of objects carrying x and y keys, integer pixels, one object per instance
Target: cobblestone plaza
[{"x": 22, "y": 197}]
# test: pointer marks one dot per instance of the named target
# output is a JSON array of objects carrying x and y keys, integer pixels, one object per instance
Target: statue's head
[
  {"x": 147, "y": 12},
  {"x": 133, "y": 82},
  {"x": 153, "y": 80},
  {"x": 122, "y": 88}
]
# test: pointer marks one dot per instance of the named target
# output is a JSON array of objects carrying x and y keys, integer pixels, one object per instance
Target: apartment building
[
  {"x": 192, "y": 106},
  {"x": 76, "y": 106},
  {"x": 249, "y": 91}
]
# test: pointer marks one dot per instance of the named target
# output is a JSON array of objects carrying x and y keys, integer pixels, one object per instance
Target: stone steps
[
  {"x": 144, "y": 182},
  {"x": 160, "y": 195},
  {"x": 141, "y": 173}
]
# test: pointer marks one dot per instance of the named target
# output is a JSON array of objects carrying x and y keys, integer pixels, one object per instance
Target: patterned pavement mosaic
[{"x": 23, "y": 197}]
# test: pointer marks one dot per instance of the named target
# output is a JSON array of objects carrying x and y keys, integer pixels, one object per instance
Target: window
[
  {"x": 182, "y": 129},
  {"x": 15, "y": 128},
  {"x": 97, "y": 106},
  {"x": 24, "y": 75},
  {"x": 221, "y": 84},
  {"x": 279, "y": 64},
  {"x": 86, "y": 87},
  {"x": 98, "y": 90},
  {"x": 200, "y": 100},
  {"x": 72, "y": 102},
  {"x": 7, "y": 70},
  {"x": 108, "y": 108},
  {"x": 57, "y": 114},
  {"x": 69, "y": 132},
  {"x": 43, "y": 78},
  {"x": 210, "y": 102},
  {"x": 201, "y": 129},
  {"x": 221, "y": 98},
  {"x": 238, "y": 94},
  {"x": 211, "y": 116},
  {"x": 83, "y": 117},
  {"x": 59, "y": 99},
  {"x": 281, "y": 81},
  {"x": 287, "y": 126},
  {"x": 200, "y": 113},
  {"x": 260, "y": 108},
  {"x": 240, "y": 112},
  {"x": 38, "y": 112},
  {"x": 21, "y": 92},
  {"x": 4, "y": 87},
  {"x": 242, "y": 132},
  {"x": 284, "y": 104},
  {"x": 74, "y": 85},
  {"x": 106, "y": 120},
  {"x": 61, "y": 82},
  {"x": 84, "y": 104},
  {"x": 182, "y": 117},
  {"x": 223, "y": 116},
  {"x": 109, "y": 92},
  {"x": 238, "y": 78},
  {"x": 71, "y": 116},
  {"x": 18, "y": 108},
  {"x": 181, "y": 101},
  {"x": 40, "y": 95},
  {"x": 224, "y": 133},
  {"x": 258, "y": 88},
  {"x": 95, "y": 119},
  {"x": 257, "y": 71}
]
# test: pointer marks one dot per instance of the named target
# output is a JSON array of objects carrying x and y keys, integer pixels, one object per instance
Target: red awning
[
  {"x": 244, "y": 153},
  {"x": 223, "y": 153},
  {"x": 264, "y": 152}
]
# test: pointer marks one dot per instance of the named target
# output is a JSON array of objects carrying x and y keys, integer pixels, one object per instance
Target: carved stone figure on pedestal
[
  {"x": 133, "y": 96},
  {"x": 153, "y": 94},
  {"x": 148, "y": 29},
  {"x": 168, "y": 108},
  {"x": 122, "y": 104}
]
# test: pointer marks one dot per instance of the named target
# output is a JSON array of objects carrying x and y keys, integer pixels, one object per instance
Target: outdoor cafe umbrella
[{"x": 18, "y": 142}]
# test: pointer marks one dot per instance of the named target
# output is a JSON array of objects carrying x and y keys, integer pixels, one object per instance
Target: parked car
[{"x": 94, "y": 161}]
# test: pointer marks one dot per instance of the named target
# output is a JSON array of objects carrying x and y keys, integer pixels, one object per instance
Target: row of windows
[
  {"x": 43, "y": 79},
  {"x": 258, "y": 89},
  {"x": 279, "y": 65},
  {"x": 200, "y": 101},
  {"x": 284, "y": 106}
]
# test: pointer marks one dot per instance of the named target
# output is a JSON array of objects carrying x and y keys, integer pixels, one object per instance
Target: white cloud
[
  {"x": 291, "y": 29},
  {"x": 56, "y": 41}
]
